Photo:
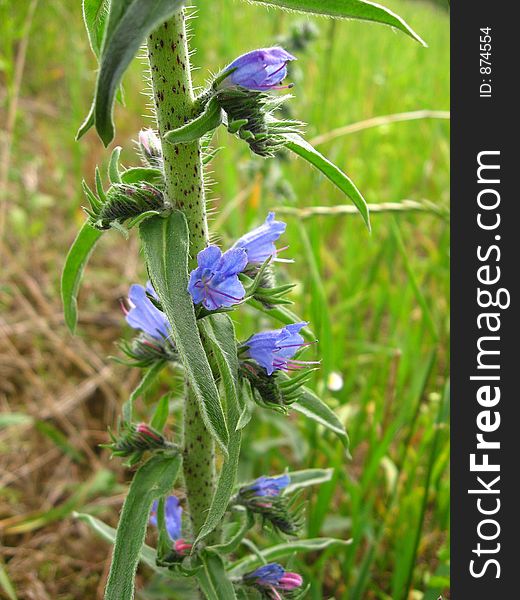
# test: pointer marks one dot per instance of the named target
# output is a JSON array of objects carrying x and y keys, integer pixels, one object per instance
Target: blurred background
[{"x": 375, "y": 103}]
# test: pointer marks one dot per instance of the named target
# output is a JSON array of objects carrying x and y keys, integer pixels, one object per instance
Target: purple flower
[
  {"x": 215, "y": 283},
  {"x": 267, "y": 486},
  {"x": 172, "y": 517},
  {"x": 259, "y": 243},
  {"x": 144, "y": 315},
  {"x": 274, "y": 349},
  {"x": 273, "y": 577},
  {"x": 259, "y": 70}
]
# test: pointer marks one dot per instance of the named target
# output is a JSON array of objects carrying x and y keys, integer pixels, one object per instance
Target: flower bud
[
  {"x": 258, "y": 70},
  {"x": 136, "y": 439},
  {"x": 124, "y": 202},
  {"x": 150, "y": 147},
  {"x": 182, "y": 547}
]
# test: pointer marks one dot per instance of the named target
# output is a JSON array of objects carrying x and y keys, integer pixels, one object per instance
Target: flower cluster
[
  {"x": 215, "y": 282},
  {"x": 173, "y": 524},
  {"x": 240, "y": 91},
  {"x": 274, "y": 582},
  {"x": 124, "y": 202},
  {"x": 264, "y": 497},
  {"x": 274, "y": 350},
  {"x": 134, "y": 439},
  {"x": 154, "y": 341}
]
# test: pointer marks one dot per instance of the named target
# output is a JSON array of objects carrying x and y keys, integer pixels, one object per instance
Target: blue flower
[
  {"x": 267, "y": 486},
  {"x": 269, "y": 574},
  {"x": 215, "y": 283},
  {"x": 172, "y": 517},
  {"x": 259, "y": 243},
  {"x": 259, "y": 70},
  {"x": 144, "y": 315},
  {"x": 273, "y": 577},
  {"x": 274, "y": 349}
]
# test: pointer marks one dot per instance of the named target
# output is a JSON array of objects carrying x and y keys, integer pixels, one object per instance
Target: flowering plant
[{"x": 181, "y": 316}]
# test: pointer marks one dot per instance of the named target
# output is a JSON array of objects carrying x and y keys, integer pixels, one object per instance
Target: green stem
[{"x": 174, "y": 103}]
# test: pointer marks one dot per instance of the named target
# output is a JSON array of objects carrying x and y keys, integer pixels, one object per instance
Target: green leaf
[
  {"x": 307, "y": 477},
  {"x": 129, "y": 23},
  {"x": 6, "y": 585},
  {"x": 166, "y": 244},
  {"x": 311, "y": 406},
  {"x": 208, "y": 120},
  {"x": 219, "y": 334},
  {"x": 146, "y": 381},
  {"x": 142, "y": 174},
  {"x": 302, "y": 148},
  {"x": 113, "y": 167},
  {"x": 147, "y": 555},
  {"x": 95, "y": 14},
  {"x": 160, "y": 415},
  {"x": 282, "y": 550},
  {"x": 75, "y": 263},
  {"x": 154, "y": 479},
  {"x": 349, "y": 9},
  {"x": 213, "y": 579}
]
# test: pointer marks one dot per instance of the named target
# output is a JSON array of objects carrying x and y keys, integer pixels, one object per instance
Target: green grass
[{"x": 378, "y": 303}]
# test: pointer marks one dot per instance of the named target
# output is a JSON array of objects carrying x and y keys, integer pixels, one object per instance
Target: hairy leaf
[
  {"x": 166, "y": 244},
  {"x": 146, "y": 381},
  {"x": 350, "y": 9},
  {"x": 142, "y": 175},
  {"x": 302, "y": 148},
  {"x": 311, "y": 406},
  {"x": 213, "y": 579},
  {"x": 207, "y": 121},
  {"x": 154, "y": 479},
  {"x": 129, "y": 23},
  {"x": 282, "y": 550},
  {"x": 220, "y": 335},
  {"x": 75, "y": 263},
  {"x": 307, "y": 477},
  {"x": 95, "y": 14},
  {"x": 147, "y": 555}
]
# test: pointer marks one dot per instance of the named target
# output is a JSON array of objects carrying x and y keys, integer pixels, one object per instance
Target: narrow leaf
[
  {"x": 307, "y": 477},
  {"x": 311, "y": 406},
  {"x": 302, "y": 148},
  {"x": 113, "y": 167},
  {"x": 146, "y": 381},
  {"x": 154, "y": 479},
  {"x": 147, "y": 554},
  {"x": 207, "y": 121},
  {"x": 128, "y": 26},
  {"x": 166, "y": 244},
  {"x": 213, "y": 579},
  {"x": 220, "y": 335},
  {"x": 95, "y": 14},
  {"x": 282, "y": 550},
  {"x": 160, "y": 415},
  {"x": 349, "y": 9},
  {"x": 75, "y": 263},
  {"x": 142, "y": 174}
]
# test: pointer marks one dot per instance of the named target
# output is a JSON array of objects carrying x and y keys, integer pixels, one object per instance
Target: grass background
[{"x": 378, "y": 303}]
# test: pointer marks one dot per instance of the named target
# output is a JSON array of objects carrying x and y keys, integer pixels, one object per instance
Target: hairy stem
[{"x": 174, "y": 103}]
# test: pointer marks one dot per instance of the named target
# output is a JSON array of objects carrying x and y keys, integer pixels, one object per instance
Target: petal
[
  {"x": 173, "y": 517},
  {"x": 144, "y": 315},
  {"x": 234, "y": 261},
  {"x": 209, "y": 257}
]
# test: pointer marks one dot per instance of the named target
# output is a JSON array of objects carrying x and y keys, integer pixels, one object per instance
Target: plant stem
[{"x": 174, "y": 103}]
